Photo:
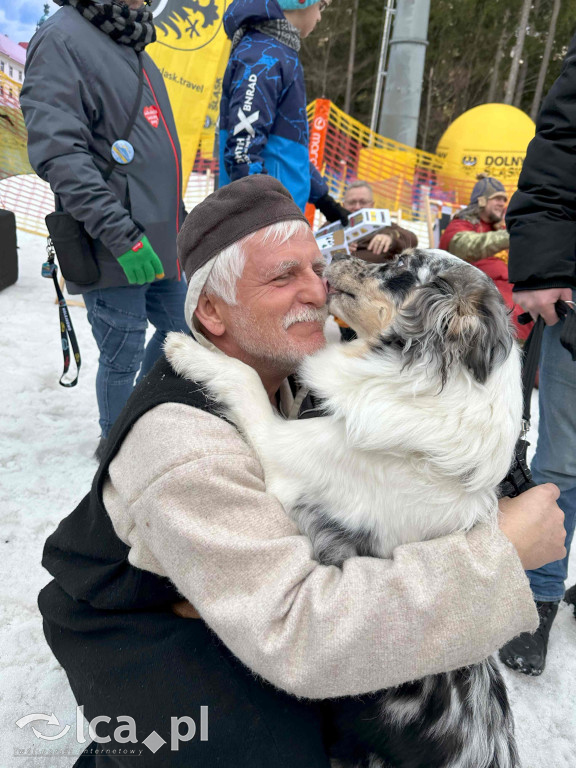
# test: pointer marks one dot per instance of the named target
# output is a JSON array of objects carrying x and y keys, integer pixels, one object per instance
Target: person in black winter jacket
[
  {"x": 86, "y": 73},
  {"x": 542, "y": 223}
]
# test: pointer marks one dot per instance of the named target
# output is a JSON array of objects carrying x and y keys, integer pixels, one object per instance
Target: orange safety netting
[
  {"x": 413, "y": 184},
  {"x": 403, "y": 178}
]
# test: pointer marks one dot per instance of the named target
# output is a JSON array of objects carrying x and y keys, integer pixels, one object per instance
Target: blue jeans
[
  {"x": 555, "y": 458},
  {"x": 119, "y": 318}
]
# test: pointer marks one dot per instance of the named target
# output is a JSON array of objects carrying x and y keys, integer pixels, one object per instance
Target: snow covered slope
[{"x": 47, "y": 438}]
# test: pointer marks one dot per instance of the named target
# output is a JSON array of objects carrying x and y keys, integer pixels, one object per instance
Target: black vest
[{"x": 85, "y": 555}]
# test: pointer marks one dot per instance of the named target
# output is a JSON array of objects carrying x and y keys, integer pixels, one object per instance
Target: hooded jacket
[
  {"x": 78, "y": 93},
  {"x": 263, "y": 123}
]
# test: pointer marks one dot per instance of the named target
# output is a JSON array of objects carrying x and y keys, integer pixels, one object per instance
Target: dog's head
[{"x": 432, "y": 308}]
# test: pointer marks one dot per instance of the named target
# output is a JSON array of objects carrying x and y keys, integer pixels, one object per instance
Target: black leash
[
  {"x": 67, "y": 334},
  {"x": 519, "y": 477}
]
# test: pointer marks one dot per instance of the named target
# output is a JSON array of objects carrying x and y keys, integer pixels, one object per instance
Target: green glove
[{"x": 140, "y": 263}]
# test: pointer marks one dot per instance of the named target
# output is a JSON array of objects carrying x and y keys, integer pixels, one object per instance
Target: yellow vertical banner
[
  {"x": 213, "y": 111},
  {"x": 191, "y": 52}
]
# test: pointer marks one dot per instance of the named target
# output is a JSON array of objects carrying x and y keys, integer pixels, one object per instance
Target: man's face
[
  {"x": 493, "y": 211},
  {"x": 357, "y": 198},
  {"x": 280, "y": 312}
]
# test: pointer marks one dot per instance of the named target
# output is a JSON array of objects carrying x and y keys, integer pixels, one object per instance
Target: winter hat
[
  {"x": 225, "y": 217},
  {"x": 485, "y": 188},
  {"x": 294, "y": 5}
]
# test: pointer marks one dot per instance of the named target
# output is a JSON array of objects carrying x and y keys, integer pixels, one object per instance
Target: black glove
[{"x": 332, "y": 210}]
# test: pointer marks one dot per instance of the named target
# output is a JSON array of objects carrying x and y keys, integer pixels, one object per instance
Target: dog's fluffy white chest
[{"x": 394, "y": 461}]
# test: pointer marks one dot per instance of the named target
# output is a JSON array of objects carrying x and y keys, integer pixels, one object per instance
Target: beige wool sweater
[{"x": 187, "y": 494}]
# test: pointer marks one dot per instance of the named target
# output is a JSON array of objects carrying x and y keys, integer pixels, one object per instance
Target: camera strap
[{"x": 67, "y": 333}]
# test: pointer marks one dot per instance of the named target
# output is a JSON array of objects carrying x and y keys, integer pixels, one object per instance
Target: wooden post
[{"x": 429, "y": 220}]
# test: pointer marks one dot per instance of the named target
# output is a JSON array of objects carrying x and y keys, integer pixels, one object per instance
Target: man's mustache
[{"x": 305, "y": 315}]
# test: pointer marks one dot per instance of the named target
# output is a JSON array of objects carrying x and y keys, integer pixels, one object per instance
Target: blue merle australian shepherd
[{"x": 421, "y": 415}]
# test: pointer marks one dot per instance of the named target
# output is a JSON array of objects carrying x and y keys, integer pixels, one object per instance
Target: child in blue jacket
[{"x": 263, "y": 125}]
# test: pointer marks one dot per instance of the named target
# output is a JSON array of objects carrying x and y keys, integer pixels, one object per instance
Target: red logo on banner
[
  {"x": 319, "y": 132},
  {"x": 317, "y": 142},
  {"x": 152, "y": 115}
]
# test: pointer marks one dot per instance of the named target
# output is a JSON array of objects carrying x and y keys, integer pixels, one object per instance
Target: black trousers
[{"x": 153, "y": 666}]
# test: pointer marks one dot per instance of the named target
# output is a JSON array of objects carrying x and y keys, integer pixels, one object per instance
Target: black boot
[
  {"x": 570, "y": 598},
  {"x": 527, "y": 652}
]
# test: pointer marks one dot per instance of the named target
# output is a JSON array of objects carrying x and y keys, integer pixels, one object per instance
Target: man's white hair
[{"x": 229, "y": 264}]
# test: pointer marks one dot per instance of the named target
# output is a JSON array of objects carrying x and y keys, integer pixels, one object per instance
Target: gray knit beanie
[{"x": 486, "y": 187}]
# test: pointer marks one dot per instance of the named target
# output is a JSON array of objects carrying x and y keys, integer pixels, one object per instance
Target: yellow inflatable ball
[{"x": 491, "y": 139}]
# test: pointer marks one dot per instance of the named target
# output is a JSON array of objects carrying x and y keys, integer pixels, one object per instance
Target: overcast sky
[{"x": 18, "y": 17}]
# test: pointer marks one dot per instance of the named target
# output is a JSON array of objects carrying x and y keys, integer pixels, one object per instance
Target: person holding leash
[
  {"x": 542, "y": 222},
  {"x": 181, "y": 583}
]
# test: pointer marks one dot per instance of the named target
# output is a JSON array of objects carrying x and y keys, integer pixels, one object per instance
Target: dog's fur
[{"x": 421, "y": 417}]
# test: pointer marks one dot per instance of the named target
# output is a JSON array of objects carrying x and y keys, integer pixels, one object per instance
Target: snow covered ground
[{"x": 47, "y": 438}]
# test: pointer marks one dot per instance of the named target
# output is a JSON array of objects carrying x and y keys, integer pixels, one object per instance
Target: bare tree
[
  {"x": 521, "y": 82},
  {"x": 494, "y": 80},
  {"x": 351, "y": 57},
  {"x": 517, "y": 55},
  {"x": 545, "y": 60}
]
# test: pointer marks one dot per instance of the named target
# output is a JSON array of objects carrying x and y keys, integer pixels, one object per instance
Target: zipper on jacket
[{"x": 177, "y": 164}]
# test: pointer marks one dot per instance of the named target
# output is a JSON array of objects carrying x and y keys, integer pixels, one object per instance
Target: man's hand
[
  {"x": 380, "y": 244},
  {"x": 534, "y": 523},
  {"x": 542, "y": 302},
  {"x": 141, "y": 265}
]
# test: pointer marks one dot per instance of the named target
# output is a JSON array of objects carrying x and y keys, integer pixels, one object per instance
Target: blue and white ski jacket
[{"x": 263, "y": 125}]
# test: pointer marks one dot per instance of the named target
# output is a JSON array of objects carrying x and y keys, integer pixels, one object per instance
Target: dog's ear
[{"x": 458, "y": 317}]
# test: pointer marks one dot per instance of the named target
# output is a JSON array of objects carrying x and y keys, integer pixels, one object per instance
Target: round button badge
[{"x": 122, "y": 151}]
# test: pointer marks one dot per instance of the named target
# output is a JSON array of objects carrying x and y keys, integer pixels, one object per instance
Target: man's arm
[
  {"x": 473, "y": 246},
  {"x": 59, "y": 109},
  {"x": 542, "y": 213},
  {"x": 318, "y": 186},
  {"x": 188, "y": 495},
  {"x": 391, "y": 240}
]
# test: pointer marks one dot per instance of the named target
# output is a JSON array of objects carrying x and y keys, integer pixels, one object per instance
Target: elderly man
[
  {"x": 394, "y": 239},
  {"x": 181, "y": 584}
]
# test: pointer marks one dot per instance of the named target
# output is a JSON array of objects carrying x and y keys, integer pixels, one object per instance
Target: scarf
[
  {"x": 125, "y": 26},
  {"x": 280, "y": 29}
]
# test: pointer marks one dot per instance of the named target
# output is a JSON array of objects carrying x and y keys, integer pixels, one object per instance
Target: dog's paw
[
  {"x": 212, "y": 369},
  {"x": 181, "y": 352}
]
